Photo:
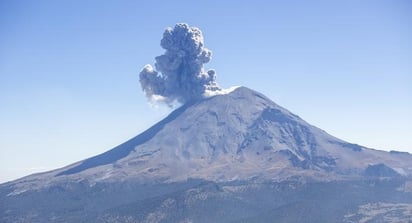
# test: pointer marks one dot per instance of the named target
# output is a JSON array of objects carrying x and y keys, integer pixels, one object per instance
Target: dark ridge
[
  {"x": 352, "y": 146},
  {"x": 380, "y": 170},
  {"x": 398, "y": 152},
  {"x": 125, "y": 148},
  {"x": 296, "y": 162},
  {"x": 275, "y": 115}
]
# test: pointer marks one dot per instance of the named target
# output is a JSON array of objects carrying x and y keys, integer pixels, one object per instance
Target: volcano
[{"x": 234, "y": 157}]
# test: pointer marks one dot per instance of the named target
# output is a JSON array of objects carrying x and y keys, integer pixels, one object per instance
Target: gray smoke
[{"x": 180, "y": 74}]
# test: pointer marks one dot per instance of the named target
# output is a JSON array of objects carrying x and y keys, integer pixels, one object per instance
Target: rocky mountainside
[{"x": 233, "y": 157}]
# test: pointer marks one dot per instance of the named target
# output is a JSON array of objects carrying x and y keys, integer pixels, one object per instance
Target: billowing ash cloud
[{"x": 180, "y": 74}]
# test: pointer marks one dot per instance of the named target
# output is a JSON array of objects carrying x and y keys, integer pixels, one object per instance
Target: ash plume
[{"x": 179, "y": 74}]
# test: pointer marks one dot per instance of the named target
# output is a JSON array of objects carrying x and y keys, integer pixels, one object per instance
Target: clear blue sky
[{"x": 69, "y": 69}]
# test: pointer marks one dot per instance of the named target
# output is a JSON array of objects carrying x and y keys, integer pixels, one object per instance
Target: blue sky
[{"x": 69, "y": 69}]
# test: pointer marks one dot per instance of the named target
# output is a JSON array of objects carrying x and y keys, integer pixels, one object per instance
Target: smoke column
[{"x": 179, "y": 74}]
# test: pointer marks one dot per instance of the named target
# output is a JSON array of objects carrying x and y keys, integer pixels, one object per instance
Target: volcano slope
[{"x": 236, "y": 157}]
